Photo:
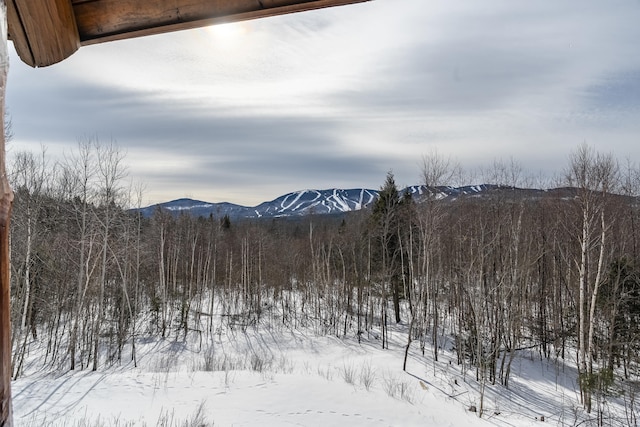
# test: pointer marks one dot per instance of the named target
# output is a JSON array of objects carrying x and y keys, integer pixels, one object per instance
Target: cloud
[{"x": 338, "y": 97}]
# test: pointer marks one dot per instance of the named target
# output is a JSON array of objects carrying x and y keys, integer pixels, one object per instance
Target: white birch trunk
[
  {"x": 582, "y": 351},
  {"x": 594, "y": 295}
]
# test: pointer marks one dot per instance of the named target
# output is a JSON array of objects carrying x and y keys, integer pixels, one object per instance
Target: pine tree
[
  {"x": 387, "y": 223},
  {"x": 225, "y": 222}
]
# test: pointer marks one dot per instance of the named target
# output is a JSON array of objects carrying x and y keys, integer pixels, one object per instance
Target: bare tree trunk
[
  {"x": 406, "y": 349},
  {"x": 81, "y": 169},
  {"x": 582, "y": 349},
  {"x": 27, "y": 270},
  {"x": 592, "y": 173},
  {"x": 137, "y": 277},
  {"x": 594, "y": 295}
]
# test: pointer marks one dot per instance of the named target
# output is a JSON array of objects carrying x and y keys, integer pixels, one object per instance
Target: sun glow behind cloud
[
  {"x": 240, "y": 65},
  {"x": 368, "y": 87},
  {"x": 228, "y": 36}
]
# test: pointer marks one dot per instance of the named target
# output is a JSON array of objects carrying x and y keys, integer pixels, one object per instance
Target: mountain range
[{"x": 318, "y": 202}]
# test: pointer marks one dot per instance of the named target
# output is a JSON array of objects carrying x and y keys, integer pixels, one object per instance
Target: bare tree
[
  {"x": 31, "y": 176},
  {"x": 437, "y": 170},
  {"x": 595, "y": 176},
  {"x": 111, "y": 171},
  {"x": 76, "y": 184}
]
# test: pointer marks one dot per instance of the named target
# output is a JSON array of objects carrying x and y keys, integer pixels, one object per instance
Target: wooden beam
[
  {"x": 44, "y": 32},
  {"x": 18, "y": 35},
  {"x": 6, "y": 203},
  {"x": 108, "y": 20}
]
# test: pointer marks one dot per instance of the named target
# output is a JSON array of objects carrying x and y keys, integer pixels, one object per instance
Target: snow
[
  {"x": 284, "y": 205},
  {"x": 362, "y": 202},
  {"x": 188, "y": 207},
  {"x": 273, "y": 376},
  {"x": 340, "y": 203}
]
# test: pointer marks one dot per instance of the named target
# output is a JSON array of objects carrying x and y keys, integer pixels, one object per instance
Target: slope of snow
[
  {"x": 266, "y": 374},
  {"x": 303, "y": 386},
  {"x": 273, "y": 376},
  {"x": 317, "y": 201}
]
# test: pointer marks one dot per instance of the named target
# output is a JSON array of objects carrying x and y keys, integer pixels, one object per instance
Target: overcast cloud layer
[{"x": 337, "y": 97}]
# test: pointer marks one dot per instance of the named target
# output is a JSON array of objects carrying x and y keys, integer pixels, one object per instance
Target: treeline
[{"x": 487, "y": 276}]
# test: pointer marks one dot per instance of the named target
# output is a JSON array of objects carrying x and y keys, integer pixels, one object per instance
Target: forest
[{"x": 487, "y": 276}]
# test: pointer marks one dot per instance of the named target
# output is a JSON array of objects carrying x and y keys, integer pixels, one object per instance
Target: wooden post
[
  {"x": 6, "y": 201},
  {"x": 44, "y": 32}
]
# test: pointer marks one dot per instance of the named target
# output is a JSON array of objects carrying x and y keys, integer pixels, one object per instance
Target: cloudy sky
[{"x": 337, "y": 97}]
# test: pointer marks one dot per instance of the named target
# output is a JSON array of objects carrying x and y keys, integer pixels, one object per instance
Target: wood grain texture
[
  {"x": 108, "y": 20},
  {"x": 6, "y": 203},
  {"x": 44, "y": 32},
  {"x": 17, "y": 34}
]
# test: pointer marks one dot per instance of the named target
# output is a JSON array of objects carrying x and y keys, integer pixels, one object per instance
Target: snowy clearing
[{"x": 267, "y": 376}]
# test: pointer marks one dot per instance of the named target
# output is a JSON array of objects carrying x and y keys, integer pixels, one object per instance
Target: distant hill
[{"x": 331, "y": 201}]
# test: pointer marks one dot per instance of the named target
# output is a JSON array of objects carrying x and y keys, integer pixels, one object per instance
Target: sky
[{"x": 338, "y": 97}]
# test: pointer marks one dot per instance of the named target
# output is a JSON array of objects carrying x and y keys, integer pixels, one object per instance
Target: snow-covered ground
[{"x": 277, "y": 377}]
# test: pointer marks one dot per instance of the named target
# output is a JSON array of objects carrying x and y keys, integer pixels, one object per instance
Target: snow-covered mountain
[
  {"x": 317, "y": 202},
  {"x": 292, "y": 204}
]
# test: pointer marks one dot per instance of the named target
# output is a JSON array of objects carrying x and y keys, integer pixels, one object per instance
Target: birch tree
[
  {"x": 594, "y": 176},
  {"x": 76, "y": 184},
  {"x": 31, "y": 176}
]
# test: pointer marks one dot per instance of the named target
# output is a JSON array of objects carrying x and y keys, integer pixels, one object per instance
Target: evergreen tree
[
  {"x": 388, "y": 220},
  {"x": 225, "y": 222}
]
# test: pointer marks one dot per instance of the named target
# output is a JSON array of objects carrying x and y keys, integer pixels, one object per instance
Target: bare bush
[
  {"x": 367, "y": 375},
  {"x": 390, "y": 385},
  {"x": 348, "y": 374}
]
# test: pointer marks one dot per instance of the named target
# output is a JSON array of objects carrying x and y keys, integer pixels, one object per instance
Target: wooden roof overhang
[{"x": 45, "y": 32}]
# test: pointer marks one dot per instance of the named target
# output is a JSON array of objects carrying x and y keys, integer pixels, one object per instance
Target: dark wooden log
[
  {"x": 47, "y": 31},
  {"x": 43, "y": 31},
  {"x": 6, "y": 202},
  {"x": 108, "y": 20},
  {"x": 5, "y": 313}
]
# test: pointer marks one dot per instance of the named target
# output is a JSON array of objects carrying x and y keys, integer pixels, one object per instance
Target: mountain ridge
[{"x": 319, "y": 202}]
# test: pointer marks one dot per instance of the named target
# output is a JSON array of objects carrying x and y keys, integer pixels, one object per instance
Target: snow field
[{"x": 272, "y": 376}]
